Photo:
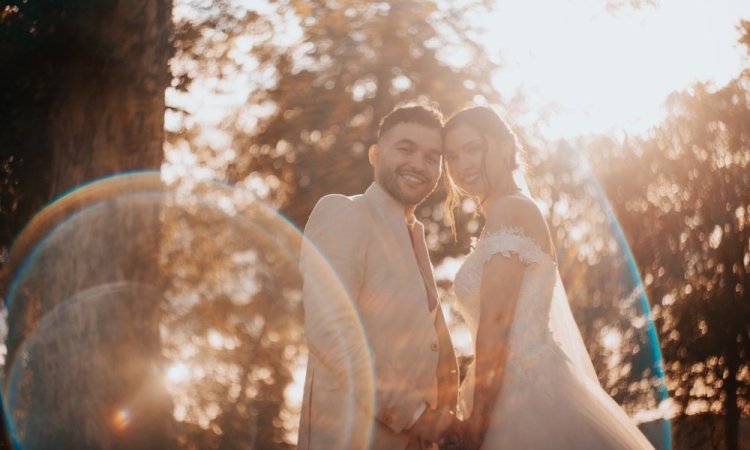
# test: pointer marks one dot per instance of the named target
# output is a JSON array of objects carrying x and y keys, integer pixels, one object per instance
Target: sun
[{"x": 598, "y": 71}]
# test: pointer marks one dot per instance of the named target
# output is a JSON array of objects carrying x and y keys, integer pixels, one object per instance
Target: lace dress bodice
[
  {"x": 548, "y": 379},
  {"x": 539, "y": 277},
  {"x": 530, "y": 333}
]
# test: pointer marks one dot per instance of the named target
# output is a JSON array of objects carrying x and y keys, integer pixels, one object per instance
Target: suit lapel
[
  {"x": 396, "y": 234},
  {"x": 420, "y": 246}
]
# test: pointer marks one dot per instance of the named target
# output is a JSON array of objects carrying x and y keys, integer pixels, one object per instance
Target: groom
[{"x": 393, "y": 328}]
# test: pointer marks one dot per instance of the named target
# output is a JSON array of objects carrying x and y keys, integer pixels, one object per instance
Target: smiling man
[
  {"x": 377, "y": 248},
  {"x": 407, "y": 157}
]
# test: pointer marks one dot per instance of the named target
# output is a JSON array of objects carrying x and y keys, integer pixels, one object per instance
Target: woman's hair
[{"x": 485, "y": 121}]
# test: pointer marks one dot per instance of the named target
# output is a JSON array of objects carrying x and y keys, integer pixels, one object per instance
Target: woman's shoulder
[{"x": 518, "y": 213}]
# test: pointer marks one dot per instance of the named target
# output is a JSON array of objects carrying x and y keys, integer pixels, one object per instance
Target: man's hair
[{"x": 411, "y": 113}]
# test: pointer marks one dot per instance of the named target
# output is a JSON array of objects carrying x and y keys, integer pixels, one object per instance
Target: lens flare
[
  {"x": 121, "y": 419},
  {"x": 637, "y": 334},
  {"x": 155, "y": 313}
]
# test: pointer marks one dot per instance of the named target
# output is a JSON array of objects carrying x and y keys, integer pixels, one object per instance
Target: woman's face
[{"x": 464, "y": 154}]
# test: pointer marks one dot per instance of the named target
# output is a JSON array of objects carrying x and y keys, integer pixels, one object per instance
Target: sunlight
[
  {"x": 611, "y": 338},
  {"x": 610, "y": 72},
  {"x": 121, "y": 419},
  {"x": 178, "y": 373},
  {"x": 594, "y": 71},
  {"x": 293, "y": 398}
]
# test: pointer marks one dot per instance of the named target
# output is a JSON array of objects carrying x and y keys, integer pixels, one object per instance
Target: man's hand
[
  {"x": 432, "y": 424},
  {"x": 464, "y": 435}
]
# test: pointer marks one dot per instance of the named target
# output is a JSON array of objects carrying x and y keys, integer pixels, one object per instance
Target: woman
[{"x": 533, "y": 385}]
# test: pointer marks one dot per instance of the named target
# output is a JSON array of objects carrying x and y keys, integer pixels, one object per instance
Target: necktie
[
  {"x": 446, "y": 382},
  {"x": 416, "y": 233}
]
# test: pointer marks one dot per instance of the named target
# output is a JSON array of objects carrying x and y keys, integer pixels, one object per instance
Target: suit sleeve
[{"x": 331, "y": 264}]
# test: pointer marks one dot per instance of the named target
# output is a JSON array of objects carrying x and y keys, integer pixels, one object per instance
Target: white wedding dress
[{"x": 550, "y": 396}]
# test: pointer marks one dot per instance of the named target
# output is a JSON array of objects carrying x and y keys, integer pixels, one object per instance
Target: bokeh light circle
[{"x": 142, "y": 314}]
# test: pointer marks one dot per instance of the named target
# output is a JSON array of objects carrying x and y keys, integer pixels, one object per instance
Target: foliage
[
  {"x": 682, "y": 196},
  {"x": 322, "y": 73},
  {"x": 317, "y": 100}
]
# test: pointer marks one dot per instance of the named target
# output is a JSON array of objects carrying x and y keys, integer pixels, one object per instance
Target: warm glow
[
  {"x": 581, "y": 68},
  {"x": 293, "y": 396},
  {"x": 612, "y": 339},
  {"x": 178, "y": 373},
  {"x": 601, "y": 71},
  {"x": 121, "y": 419},
  {"x": 577, "y": 67}
]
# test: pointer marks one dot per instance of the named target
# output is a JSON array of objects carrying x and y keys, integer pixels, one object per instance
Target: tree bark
[
  {"x": 111, "y": 119},
  {"x": 97, "y": 110},
  {"x": 732, "y": 411}
]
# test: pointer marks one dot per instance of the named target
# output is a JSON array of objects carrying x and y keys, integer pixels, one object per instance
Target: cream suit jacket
[{"x": 374, "y": 345}]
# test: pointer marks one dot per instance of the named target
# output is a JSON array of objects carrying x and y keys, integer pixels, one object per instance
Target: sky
[
  {"x": 582, "y": 68},
  {"x": 599, "y": 71}
]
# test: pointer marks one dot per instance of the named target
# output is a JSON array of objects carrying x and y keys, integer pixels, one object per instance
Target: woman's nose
[{"x": 463, "y": 163}]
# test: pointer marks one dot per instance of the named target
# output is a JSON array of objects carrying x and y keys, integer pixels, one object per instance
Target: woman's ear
[{"x": 372, "y": 154}]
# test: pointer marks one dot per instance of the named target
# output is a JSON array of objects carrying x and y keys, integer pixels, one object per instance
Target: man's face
[{"x": 407, "y": 162}]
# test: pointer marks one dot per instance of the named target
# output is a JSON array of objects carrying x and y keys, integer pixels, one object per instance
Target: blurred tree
[
  {"x": 232, "y": 317},
  {"x": 322, "y": 73},
  {"x": 683, "y": 197},
  {"x": 83, "y": 97},
  {"x": 594, "y": 266}
]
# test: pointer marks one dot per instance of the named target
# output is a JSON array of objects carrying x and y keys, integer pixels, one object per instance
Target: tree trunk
[
  {"x": 731, "y": 408},
  {"x": 112, "y": 120},
  {"x": 100, "y": 112}
]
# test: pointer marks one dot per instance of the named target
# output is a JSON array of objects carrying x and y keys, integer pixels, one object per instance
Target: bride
[{"x": 533, "y": 385}]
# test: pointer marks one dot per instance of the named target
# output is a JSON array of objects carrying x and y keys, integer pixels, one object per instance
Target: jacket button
[{"x": 434, "y": 346}]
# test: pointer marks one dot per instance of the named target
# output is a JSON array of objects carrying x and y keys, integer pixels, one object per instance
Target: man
[{"x": 382, "y": 371}]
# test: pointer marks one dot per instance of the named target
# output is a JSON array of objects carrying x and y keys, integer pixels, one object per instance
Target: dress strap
[{"x": 510, "y": 240}]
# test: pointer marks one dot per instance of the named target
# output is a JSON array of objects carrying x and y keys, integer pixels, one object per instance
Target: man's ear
[{"x": 373, "y": 153}]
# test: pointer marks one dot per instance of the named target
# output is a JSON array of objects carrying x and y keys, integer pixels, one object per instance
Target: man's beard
[{"x": 388, "y": 179}]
